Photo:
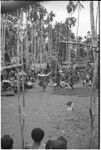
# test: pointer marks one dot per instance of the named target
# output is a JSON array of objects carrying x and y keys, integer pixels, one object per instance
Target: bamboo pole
[
  {"x": 4, "y": 42},
  {"x": 51, "y": 40},
  {"x": 79, "y": 43},
  {"x": 27, "y": 52},
  {"x": 66, "y": 45},
  {"x": 35, "y": 47},
  {"x": 2, "y": 39},
  {"x": 23, "y": 119},
  {"x": 19, "y": 105},
  {"x": 41, "y": 48},
  {"x": 31, "y": 41}
]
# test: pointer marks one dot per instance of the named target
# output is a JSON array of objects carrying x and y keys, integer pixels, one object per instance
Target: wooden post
[
  {"x": 41, "y": 48},
  {"x": 31, "y": 42},
  {"x": 4, "y": 40},
  {"x": 27, "y": 52},
  {"x": 35, "y": 47},
  {"x": 23, "y": 123}
]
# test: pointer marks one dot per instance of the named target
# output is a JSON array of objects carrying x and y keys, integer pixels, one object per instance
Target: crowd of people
[
  {"x": 60, "y": 76},
  {"x": 37, "y": 136},
  {"x": 71, "y": 76}
]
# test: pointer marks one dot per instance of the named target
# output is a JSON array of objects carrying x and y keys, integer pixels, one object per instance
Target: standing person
[
  {"x": 44, "y": 80},
  {"x": 37, "y": 136}
]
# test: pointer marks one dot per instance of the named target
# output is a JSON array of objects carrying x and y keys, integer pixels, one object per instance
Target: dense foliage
[{"x": 41, "y": 36}]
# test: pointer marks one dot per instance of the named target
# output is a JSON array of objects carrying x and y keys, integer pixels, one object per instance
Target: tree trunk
[
  {"x": 95, "y": 73},
  {"x": 93, "y": 30}
]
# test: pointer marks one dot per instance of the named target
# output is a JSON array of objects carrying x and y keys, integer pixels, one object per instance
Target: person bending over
[{"x": 6, "y": 142}]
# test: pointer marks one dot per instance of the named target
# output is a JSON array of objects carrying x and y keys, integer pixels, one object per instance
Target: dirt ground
[{"x": 48, "y": 110}]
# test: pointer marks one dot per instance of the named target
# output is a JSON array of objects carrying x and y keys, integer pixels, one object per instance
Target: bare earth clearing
[{"x": 48, "y": 111}]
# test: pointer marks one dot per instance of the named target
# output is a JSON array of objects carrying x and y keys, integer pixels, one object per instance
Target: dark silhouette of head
[
  {"x": 6, "y": 142},
  {"x": 59, "y": 143},
  {"x": 37, "y": 135}
]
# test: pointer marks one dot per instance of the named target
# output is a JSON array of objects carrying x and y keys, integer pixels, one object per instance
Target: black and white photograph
[{"x": 50, "y": 74}]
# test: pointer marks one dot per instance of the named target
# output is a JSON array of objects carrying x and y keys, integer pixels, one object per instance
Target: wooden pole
[
  {"x": 41, "y": 48},
  {"x": 18, "y": 86},
  {"x": 19, "y": 107},
  {"x": 66, "y": 46},
  {"x": 27, "y": 52},
  {"x": 4, "y": 41},
  {"x": 23, "y": 124},
  {"x": 35, "y": 47},
  {"x": 2, "y": 56},
  {"x": 51, "y": 38},
  {"x": 31, "y": 41},
  {"x": 79, "y": 44}
]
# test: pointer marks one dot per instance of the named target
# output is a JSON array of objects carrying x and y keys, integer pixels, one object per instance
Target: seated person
[
  {"x": 6, "y": 142},
  {"x": 62, "y": 139},
  {"x": 59, "y": 143},
  {"x": 48, "y": 144},
  {"x": 37, "y": 135}
]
